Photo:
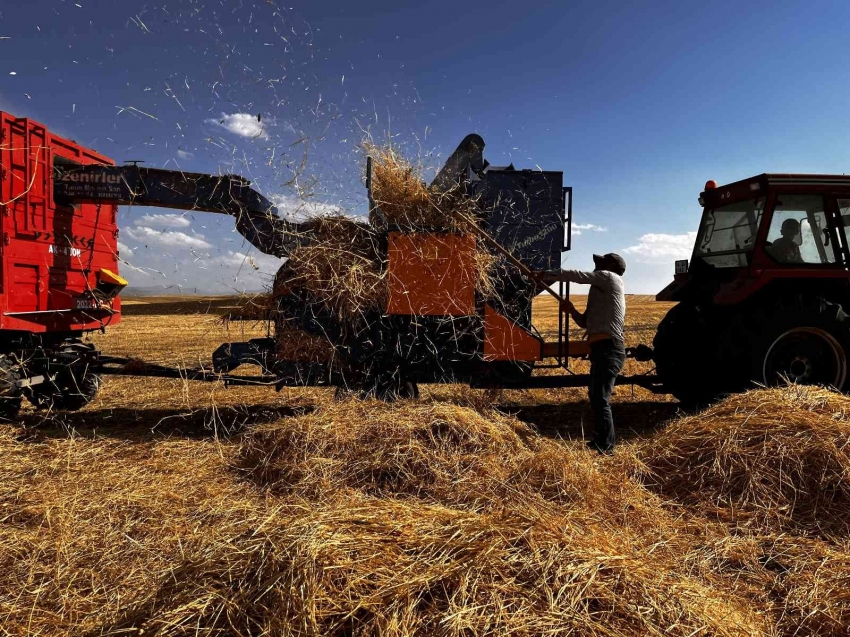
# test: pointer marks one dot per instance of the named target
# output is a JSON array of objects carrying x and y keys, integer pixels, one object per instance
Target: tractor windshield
[{"x": 727, "y": 234}]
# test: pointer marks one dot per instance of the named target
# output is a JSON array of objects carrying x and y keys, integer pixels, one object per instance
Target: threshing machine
[{"x": 760, "y": 300}]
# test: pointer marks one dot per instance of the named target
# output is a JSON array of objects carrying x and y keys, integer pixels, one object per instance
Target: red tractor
[{"x": 762, "y": 299}]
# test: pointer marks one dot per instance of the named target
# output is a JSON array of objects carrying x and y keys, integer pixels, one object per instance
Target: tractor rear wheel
[
  {"x": 802, "y": 341},
  {"x": 694, "y": 355},
  {"x": 703, "y": 353}
]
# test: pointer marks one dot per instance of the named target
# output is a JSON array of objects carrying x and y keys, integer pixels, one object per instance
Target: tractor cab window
[
  {"x": 798, "y": 231},
  {"x": 727, "y": 234}
]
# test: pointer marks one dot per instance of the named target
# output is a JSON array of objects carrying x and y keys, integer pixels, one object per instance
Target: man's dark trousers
[{"x": 606, "y": 361}]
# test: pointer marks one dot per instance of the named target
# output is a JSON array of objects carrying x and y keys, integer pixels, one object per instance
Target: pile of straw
[
  {"x": 778, "y": 457},
  {"x": 419, "y": 518},
  {"x": 468, "y": 522},
  {"x": 811, "y": 577}
]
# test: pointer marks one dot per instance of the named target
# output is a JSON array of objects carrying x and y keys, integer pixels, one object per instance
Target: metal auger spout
[{"x": 257, "y": 219}]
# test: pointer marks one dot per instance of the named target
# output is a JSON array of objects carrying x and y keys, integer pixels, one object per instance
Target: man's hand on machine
[
  {"x": 567, "y": 306},
  {"x": 545, "y": 277}
]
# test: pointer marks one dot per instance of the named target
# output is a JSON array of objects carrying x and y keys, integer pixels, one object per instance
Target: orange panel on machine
[
  {"x": 573, "y": 349},
  {"x": 431, "y": 274},
  {"x": 504, "y": 340}
]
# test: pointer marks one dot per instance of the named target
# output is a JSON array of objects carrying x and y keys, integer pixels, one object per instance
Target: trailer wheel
[
  {"x": 801, "y": 341},
  {"x": 9, "y": 408},
  {"x": 71, "y": 390},
  {"x": 10, "y": 396}
]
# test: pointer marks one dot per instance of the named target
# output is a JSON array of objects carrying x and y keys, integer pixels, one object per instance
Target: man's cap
[{"x": 611, "y": 261}]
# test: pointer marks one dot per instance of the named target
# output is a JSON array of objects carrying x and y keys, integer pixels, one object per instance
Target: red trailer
[
  {"x": 59, "y": 257},
  {"x": 54, "y": 256},
  {"x": 59, "y": 267}
]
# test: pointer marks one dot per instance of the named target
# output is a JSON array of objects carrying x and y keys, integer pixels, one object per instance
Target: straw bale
[{"x": 777, "y": 457}]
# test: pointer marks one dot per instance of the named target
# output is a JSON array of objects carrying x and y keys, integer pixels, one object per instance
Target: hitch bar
[{"x": 117, "y": 366}]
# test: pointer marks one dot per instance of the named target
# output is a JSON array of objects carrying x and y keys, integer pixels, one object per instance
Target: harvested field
[{"x": 171, "y": 508}]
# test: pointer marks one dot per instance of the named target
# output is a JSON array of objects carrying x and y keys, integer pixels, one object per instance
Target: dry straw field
[{"x": 171, "y": 508}]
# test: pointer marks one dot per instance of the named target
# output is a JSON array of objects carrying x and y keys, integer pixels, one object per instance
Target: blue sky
[{"x": 638, "y": 103}]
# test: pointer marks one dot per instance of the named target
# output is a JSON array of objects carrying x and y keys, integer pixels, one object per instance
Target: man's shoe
[{"x": 591, "y": 444}]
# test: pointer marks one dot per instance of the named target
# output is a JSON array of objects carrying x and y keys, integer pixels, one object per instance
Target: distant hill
[{"x": 167, "y": 290}]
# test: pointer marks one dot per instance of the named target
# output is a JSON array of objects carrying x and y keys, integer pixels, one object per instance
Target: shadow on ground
[
  {"x": 144, "y": 424},
  {"x": 575, "y": 420}
]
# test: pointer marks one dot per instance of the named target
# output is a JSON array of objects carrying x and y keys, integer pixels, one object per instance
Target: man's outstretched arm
[{"x": 574, "y": 276}]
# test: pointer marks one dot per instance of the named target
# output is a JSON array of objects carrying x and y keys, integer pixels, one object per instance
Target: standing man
[{"x": 603, "y": 321}]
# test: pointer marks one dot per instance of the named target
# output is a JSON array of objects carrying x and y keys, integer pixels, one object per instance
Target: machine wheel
[
  {"x": 71, "y": 390},
  {"x": 390, "y": 388},
  {"x": 801, "y": 341}
]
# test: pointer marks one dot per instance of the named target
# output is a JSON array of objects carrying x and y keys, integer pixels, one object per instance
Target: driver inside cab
[{"x": 785, "y": 249}]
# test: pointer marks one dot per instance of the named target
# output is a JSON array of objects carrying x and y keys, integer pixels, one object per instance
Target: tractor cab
[
  {"x": 763, "y": 229},
  {"x": 762, "y": 300}
]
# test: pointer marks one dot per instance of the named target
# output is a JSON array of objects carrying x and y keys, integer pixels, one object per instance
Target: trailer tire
[
  {"x": 71, "y": 390},
  {"x": 10, "y": 395},
  {"x": 10, "y": 408}
]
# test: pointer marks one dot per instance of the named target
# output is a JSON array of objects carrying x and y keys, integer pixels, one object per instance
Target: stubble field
[{"x": 179, "y": 508}]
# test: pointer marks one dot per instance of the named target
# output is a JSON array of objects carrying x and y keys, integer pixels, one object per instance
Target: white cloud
[
  {"x": 662, "y": 248},
  {"x": 125, "y": 250},
  {"x": 168, "y": 238},
  {"x": 242, "y": 124},
  {"x": 577, "y": 228},
  {"x": 296, "y": 209},
  {"x": 263, "y": 263},
  {"x": 164, "y": 221},
  {"x": 182, "y": 154}
]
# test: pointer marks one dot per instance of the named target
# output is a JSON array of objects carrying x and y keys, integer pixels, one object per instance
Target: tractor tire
[
  {"x": 799, "y": 340},
  {"x": 71, "y": 390},
  {"x": 695, "y": 355}
]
